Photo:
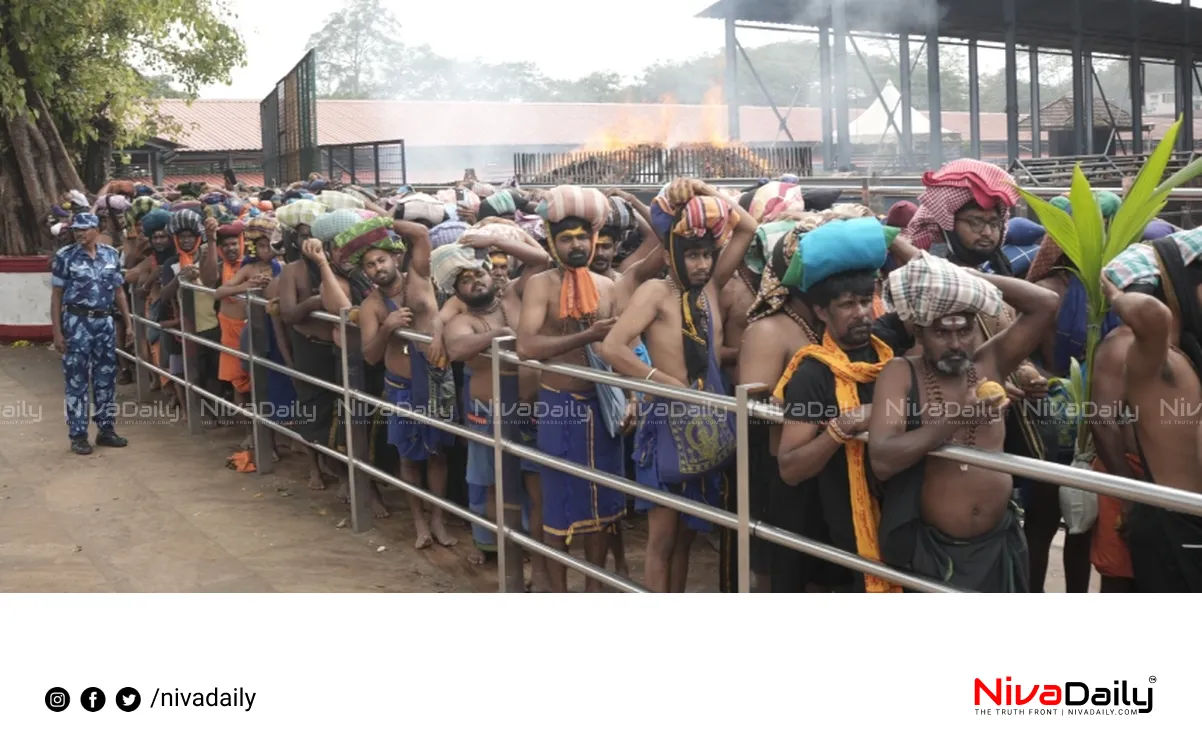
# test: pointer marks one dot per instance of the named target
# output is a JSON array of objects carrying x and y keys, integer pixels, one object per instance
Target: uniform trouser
[{"x": 91, "y": 358}]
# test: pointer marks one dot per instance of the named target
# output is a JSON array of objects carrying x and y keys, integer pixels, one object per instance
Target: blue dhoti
[
  {"x": 481, "y": 459},
  {"x": 571, "y": 427},
  {"x": 90, "y": 359},
  {"x": 414, "y": 441}
]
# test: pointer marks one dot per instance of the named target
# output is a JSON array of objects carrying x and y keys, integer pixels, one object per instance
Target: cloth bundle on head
[
  {"x": 142, "y": 189},
  {"x": 773, "y": 199},
  {"x": 1108, "y": 203},
  {"x": 1135, "y": 265},
  {"x": 140, "y": 207},
  {"x": 1024, "y": 232},
  {"x": 186, "y": 220},
  {"x": 124, "y": 188},
  {"x": 218, "y": 212},
  {"x": 498, "y": 229},
  {"x": 901, "y": 214},
  {"x": 420, "y": 207},
  {"x": 950, "y": 189},
  {"x": 317, "y": 185},
  {"x": 1157, "y": 229},
  {"x": 155, "y": 220},
  {"x": 501, "y": 204},
  {"x": 331, "y": 224},
  {"x": 483, "y": 190},
  {"x": 620, "y": 220},
  {"x": 578, "y": 296},
  {"x": 340, "y": 200},
  {"x": 213, "y": 197},
  {"x": 448, "y": 261},
  {"x": 74, "y": 200},
  {"x": 115, "y": 204},
  {"x": 821, "y": 199},
  {"x": 189, "y": 205},
  {"x": 300, "y": 212},
  {"x": 447, "y": 233},
  {"x": 780, "y": 244},
  {"x": 766, "y": 237},
  {"x": 838, "y": 247},
  {"x": 532, "y": 225},
  {"x": 470, "y": 199},
  {"x": 929, "y": 288},
  {"x": 260, "y": 227},
  {"x": 370, "y": 234}
]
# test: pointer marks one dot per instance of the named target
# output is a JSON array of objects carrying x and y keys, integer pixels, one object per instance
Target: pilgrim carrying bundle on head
[
  {"x": 447, "y": 262},
  {"x": 587, "y": 204},
  {"x": 369, "y": 234},
  {"x": 929, "y": 288},
  {"x": 340, "y": 200},
  {"x": 420, "y": 207}
]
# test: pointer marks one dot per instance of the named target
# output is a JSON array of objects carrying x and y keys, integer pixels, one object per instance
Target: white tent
[{"x": 872, "y": 127}]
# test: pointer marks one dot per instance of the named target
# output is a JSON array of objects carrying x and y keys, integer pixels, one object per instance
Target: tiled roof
[
  {"x": 1059, "y": 115},
  {"x": 229, "y": 125}
]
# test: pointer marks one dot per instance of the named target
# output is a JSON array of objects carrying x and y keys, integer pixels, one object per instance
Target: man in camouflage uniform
[{"x": 86, "y": 280}]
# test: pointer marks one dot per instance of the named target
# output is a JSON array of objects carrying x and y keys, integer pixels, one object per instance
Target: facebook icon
[{"x": 92, "y": 699}]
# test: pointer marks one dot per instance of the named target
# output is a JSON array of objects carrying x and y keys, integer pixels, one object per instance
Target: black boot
[
  {"x": 110, "y": 438},
  {"x": 81, "y": 445}
]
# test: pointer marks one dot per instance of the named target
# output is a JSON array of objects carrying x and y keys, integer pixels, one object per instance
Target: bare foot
[
  {"x": 476, "y": 556},
  {"x": 315, "y": 481},
  {"x": 440, "y": 533},
  {"x": 344, "y": 493},
  {"x": 275, "y": 455},
  {"x": 325, "y": 468},
  {"x": 424, "y": 539},
  {"x": 378, "y": 509},
  {"x": 539, "y": 583},
  {"x": 247, "y": 442}
]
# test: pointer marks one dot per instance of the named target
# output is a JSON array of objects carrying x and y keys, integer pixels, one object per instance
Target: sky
[{"x": 632, "y": 34}]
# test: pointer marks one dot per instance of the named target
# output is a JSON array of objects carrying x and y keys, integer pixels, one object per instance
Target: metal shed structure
[{"x": 1138, "y": 29}]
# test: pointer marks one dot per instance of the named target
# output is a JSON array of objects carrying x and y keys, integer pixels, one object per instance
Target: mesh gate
[
  {"x": 288, "y": 119},
  {"x": 375, "y": 164}
]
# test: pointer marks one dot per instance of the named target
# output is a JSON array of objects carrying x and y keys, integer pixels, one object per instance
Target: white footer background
[{"x": 695, "y": 667}]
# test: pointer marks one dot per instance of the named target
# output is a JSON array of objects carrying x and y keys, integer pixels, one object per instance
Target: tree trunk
[
  {"x": 35, "y": 170},
  {"x": 98, "y": 159}
]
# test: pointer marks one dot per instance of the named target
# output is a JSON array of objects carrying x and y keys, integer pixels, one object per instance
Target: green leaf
[
  {"x": 1088, "y": 220},
  {"x": 1058, "y": 224},
  {"x": 1125, "y": 221},
  {"x": 1180, "y": 178},
  {"x": 1078, "y": 382}
]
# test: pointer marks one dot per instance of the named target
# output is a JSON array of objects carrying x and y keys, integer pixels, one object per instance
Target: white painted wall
[{"x": 25, "y": 298}]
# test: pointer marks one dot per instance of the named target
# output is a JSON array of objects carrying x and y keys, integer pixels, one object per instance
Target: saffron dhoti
[{"x": 230, "y": 367}]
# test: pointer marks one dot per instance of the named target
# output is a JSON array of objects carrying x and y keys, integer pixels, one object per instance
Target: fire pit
[{"x": 655, "y": 163}]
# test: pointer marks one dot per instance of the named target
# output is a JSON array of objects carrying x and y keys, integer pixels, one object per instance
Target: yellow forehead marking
[{"x": 574, "y": 232}]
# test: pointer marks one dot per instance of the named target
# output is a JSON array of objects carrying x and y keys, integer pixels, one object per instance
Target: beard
[
  {"x": 479, "y": 301},
  {"x": 576, "y": 259},
  {"x": 857, "y": 335},
  {"x": 384, "y": 278},
  {"x": 953, "y": 364}
]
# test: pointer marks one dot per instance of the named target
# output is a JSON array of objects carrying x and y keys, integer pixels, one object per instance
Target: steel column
[
  {"x": 974, "y": 104},
  {"x": 1011, "y": 20},
  {"x": 839, "y": 59},
  {"x": 824, "y": 94},
  {"x": 1036, "y": 129},
  {"x": 1078, "y": 82},
  {"x": 1185, "y": 67},
  {"x": 732, "y": 72},
  {"x": 935, "y": 113},
  {"x": 1087, "y": 104},
  {"x": 1135, "y": 73},
  {"x": 907, "y": 101}
]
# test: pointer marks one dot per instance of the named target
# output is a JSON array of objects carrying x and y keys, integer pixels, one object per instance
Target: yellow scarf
[{"x": 865, "y": 511}]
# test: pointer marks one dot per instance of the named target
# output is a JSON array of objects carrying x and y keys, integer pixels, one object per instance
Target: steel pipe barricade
[{"x": 743, "y": 407}]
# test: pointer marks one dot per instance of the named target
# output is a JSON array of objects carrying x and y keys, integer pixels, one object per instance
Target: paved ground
[{"x": 165, "y": 515}]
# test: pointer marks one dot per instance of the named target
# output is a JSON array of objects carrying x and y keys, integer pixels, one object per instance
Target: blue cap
[{"x": 85, "y": 221}]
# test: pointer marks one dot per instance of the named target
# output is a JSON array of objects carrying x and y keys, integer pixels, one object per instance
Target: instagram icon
[{"x": 57, "y": 699}]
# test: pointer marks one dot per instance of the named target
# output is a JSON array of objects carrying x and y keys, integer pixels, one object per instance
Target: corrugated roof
[{"x": 1059, "y": 115}]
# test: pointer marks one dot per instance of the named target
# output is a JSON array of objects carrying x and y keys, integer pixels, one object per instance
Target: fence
[
  {"x": 288, "y": 124},
  {"x": 375, "y": 164},
  {"x": 350, "y": 388},
  {"x": 656, "y": 164}
]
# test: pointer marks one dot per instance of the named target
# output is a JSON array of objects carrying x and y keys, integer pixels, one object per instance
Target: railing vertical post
[
  {"x": 743, "y": 500},
  {"x": 256, "y": 347},
  {"x": 141, "y": 373},
  {"x": 188, "y": 299},
  {"x": 503, "y": 557},
  {"x": 358, "y": 481}
]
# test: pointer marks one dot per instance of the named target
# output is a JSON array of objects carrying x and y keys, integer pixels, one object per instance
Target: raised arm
[
  {"x": 208, "y": 254},
  {"x": 1108, "y": 385},
  {"x": 529, "y": 255},
  {"x": 417, "y": 238},
  {"x": 732, "y": 255},
  {"x": 639, "y": 315},
  {"x": 1037, "y": 308},
  {"x": 239, "y": 283},
  {"x": 1151, "y": 324}
]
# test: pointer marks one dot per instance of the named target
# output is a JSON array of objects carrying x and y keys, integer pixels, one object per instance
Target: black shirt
[{"x": 810, "y": 398}]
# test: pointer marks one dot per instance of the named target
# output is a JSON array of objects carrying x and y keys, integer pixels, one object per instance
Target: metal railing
[{"x": 351, "y": 390}]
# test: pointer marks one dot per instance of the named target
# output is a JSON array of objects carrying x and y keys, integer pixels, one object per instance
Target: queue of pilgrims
[{"x": 882, "y": 337}]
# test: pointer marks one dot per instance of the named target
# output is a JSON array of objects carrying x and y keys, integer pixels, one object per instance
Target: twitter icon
[{"x": 128, "y": 699}]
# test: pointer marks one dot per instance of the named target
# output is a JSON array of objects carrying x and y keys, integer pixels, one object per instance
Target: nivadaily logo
[{"x": 1071, "y": 697}]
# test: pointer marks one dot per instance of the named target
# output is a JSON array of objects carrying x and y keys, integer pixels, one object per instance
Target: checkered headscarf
[
  {"x": 929, "y": 288},
  {"x": 954, "y": 186}
]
